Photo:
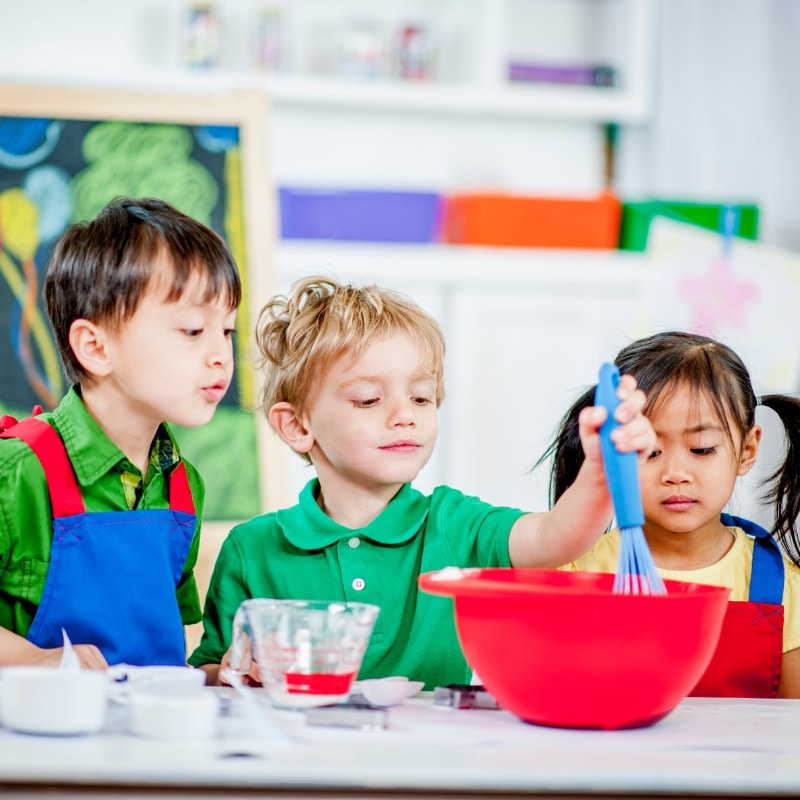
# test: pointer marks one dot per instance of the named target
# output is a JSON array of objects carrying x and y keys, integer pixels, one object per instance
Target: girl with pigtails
[{"x": 701, "y": 404}]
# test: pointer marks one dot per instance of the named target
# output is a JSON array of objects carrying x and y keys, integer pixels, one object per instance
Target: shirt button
[
  {"x": 354, "y": 541},
  {"x": 359, "y": 584}
]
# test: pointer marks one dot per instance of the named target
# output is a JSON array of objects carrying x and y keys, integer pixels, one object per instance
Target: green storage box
[{"x": 637, "y": 216}]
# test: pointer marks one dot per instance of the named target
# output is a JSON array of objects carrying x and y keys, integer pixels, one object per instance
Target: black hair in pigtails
[
  {"x": 784, "y": 484},
  {"x": 566, "y": 449}
]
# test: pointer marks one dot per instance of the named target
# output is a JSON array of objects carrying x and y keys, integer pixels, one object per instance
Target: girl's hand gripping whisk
[{"x": 636, "y": 571}]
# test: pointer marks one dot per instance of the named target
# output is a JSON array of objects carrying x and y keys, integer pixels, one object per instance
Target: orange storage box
[{"x": 519, "y": 221}]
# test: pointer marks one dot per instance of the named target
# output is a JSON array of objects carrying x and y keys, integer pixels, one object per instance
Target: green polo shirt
[
  {"x": 108, "y": 481},
  {"x": 302, "y": 553}
]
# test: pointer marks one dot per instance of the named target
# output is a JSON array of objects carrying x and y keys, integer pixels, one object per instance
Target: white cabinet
[
  {"x": 519, "y": 356},
  {"x": 526, "y": 333}
]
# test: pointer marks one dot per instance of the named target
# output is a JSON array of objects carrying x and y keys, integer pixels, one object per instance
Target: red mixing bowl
[{"x": 561, "y": 649}]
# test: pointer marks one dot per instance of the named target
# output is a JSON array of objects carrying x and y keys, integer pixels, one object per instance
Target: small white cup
[
  {"x": 170, "y": 711},
  {"x": 139, "y": 676},
  {"x": 127, "y": 678},
  {"x": 53, "y": 702}
]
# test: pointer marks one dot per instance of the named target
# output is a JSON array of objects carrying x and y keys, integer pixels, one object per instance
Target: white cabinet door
[
  {"x": 526, "y": 332},
  {"x": 518, "y": 357}
]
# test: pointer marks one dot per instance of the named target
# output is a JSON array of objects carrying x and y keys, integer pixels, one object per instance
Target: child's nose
[
  {"x": 675, "y": 470},
  {"x": 221, "y": 351},
  {"x": 402, "y": 413}
]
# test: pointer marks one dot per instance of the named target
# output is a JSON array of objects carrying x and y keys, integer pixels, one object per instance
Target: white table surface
[{"x": 704, "y": 748}]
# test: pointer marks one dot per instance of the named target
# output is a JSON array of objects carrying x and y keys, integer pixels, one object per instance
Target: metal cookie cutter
[{"x": 464, "y": 695}]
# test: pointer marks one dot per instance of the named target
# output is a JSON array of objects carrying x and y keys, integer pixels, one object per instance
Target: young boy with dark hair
[{"x": 99, "y": 513}]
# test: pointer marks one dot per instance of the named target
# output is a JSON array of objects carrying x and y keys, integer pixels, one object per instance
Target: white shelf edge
[
  {"x": 548, "y": 102},
  {"x": 585, "y": 271},
  {"x": 583, "y": 103}
]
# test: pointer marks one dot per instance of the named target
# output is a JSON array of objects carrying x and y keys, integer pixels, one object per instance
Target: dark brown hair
[
  {"x": 710, "y": 369},
  {"x": 101, "y": 268}
]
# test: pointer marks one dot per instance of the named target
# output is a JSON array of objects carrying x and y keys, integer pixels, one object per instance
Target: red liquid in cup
[{"x": 318, "y": 682}]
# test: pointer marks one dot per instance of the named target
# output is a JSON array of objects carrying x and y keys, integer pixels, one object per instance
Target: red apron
[{"x": 749, "y": 656}]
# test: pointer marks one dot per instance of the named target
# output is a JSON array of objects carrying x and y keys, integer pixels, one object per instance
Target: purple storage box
[
  {"x": 360, "y": 215},
  {"x": 546, "y": 73}
]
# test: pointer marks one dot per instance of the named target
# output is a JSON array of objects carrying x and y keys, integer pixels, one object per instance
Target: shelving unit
[
  {"x": 576, "y": 103},
  {"x": 473, "y": 41},
  {"x": 617, "y": 33},
  {"x": 467, "y": 127}
]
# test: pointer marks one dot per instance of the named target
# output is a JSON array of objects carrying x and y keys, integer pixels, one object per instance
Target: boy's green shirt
[
  {"x": 302, "y": 553},
  {"x": 108, "y": 482}
]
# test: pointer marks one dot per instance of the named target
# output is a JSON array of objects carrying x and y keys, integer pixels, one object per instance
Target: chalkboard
[{"x": 64, "y": 153}]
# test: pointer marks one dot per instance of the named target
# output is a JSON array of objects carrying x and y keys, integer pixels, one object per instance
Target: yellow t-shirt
[{"x": 732, "y": 570}]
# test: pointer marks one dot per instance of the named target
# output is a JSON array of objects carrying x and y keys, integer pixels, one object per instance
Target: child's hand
[
  {"x": 252, "y": 678},
  {"x": 17, "y": 650},
  {"x": 89, "y": 657},
  {"x": 634, "y": 433}
]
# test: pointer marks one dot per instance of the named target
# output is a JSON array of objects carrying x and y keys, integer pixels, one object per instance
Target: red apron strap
[
  {"x": 180, "y": 495},
  {"x": 65, "y": 495},
  {"x": 6, "y": 422}
]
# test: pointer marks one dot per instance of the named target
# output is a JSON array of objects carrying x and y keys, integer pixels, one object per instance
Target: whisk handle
[{"x": 622, "y": 469}]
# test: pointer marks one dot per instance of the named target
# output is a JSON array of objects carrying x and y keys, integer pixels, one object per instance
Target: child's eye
[
  {"x": 422, "y": 401},
  {"x": 704, "y": 451},
  {"x": 192, "y": 332},
  {"x": 365, "y": 403},
  {"x": 654, "y": 454},
  {"x": 230, "y": 333}
]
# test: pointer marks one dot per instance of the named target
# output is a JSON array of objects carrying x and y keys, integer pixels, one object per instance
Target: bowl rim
[{"x": 485, "y": 583}]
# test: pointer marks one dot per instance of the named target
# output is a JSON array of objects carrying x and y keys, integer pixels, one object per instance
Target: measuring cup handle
[{"x": 241, "y": 643}]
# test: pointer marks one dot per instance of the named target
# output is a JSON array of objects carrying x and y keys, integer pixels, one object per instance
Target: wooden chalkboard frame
[{"x": 246, "y": 109}]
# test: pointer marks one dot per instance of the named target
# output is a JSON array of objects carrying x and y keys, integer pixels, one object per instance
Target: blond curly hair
[{"x": 302, "y": 334}]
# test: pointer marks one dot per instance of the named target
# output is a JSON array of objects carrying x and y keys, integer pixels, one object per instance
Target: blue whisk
[{"x": 636, "y": 571}]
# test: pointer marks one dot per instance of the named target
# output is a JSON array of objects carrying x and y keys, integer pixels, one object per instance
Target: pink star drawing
[{"x": 717, "y": 298}]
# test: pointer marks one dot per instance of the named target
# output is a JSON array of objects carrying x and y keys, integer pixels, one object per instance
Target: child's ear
[
  {"x": 88, "y": 343},
  {"x": 283, "y": 418},
  {"x": 749, "y": 450}
]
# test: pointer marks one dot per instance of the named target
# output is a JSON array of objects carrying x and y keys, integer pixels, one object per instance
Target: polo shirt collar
[
  {"x": 90, "y": 450},
  {"x": 308, "y": 527}
]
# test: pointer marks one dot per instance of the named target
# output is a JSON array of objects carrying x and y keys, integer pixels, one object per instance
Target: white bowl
[
  {"x": 135, "y": 676},
  {"x": 51, "y": 701},
  {"x": 164, "y": 711},
  {"x": 388, "y": 691},
  {"x": 127, "y": 678}
]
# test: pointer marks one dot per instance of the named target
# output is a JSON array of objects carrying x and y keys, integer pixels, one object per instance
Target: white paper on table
[{"x": 69, "y": 659}]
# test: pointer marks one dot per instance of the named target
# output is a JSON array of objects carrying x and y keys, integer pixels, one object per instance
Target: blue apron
[
  {"x": 113, "y": 575},
  {"x": 749, "y": 656}
]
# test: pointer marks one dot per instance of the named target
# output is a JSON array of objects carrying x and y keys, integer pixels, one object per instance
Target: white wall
[{"x": 726, "y": 117}]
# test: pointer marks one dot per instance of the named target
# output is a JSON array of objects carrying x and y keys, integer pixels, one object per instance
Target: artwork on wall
[
  {"x": 63, "y": 155},
  {"x": 744, "y": 293}
]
